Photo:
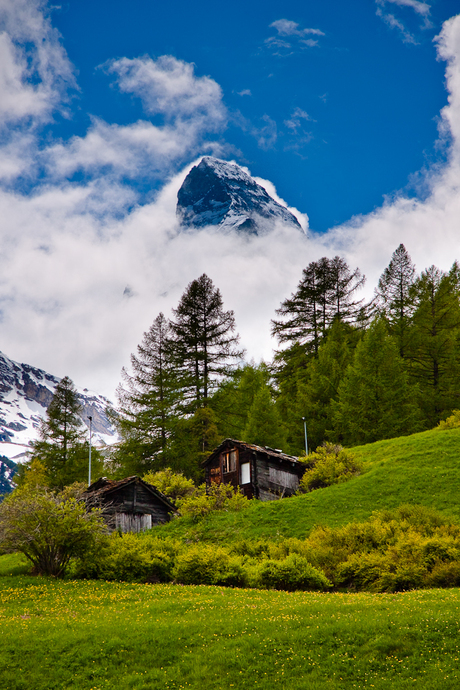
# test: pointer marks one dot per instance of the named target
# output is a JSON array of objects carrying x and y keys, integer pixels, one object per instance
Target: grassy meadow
[
  {"x": 420, "y": 469},
  {"x": 93, "y": 635},
  {"x": 86, "y": 635}
]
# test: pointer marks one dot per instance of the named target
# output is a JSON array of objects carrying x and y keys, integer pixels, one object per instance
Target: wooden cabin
[
  {"x": 260, "y": 472},
  {"x": 129, "y": 505}
]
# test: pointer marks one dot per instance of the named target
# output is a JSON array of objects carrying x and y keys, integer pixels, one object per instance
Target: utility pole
[
  {"x": 305, "y": 431},
  {"x": 90, "y": 438}
]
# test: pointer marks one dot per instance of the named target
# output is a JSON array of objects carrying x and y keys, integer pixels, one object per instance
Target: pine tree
[
  {"x": 204, "y": 340},
  {"x": 375, "y": 399},
  {"x": 234, "y": 398},
  {"x": 264, "y": 426},
  {"x": 433, "y": 351},
  {"x": 316, "y": 394},
  {"x": 149, "y": 402},
  {"x": 324, "y": 293},
  {"x": 62, "y": 447},
  {"x": 395, "y": 295}
]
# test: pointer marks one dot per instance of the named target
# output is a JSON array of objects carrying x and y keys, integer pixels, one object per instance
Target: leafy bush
[
  {"x": 217, "y": 497},
  {"x": 410, "y": 547},
  {"x": 291, "y": 573},
  {"x": 132, "y": 558},
  {"x": 174, "y": 485},
  {"x": 208, "y": 565},
  {"x": 452, "y": 422},
  {"x": 329, "y": 464},
  {"x": 50, "y": 528}
]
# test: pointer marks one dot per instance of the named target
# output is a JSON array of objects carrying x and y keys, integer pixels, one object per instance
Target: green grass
[
  {"x": 419, "y": 469},
  {"x": 96, "y": 635},
  {"x": 14, "y": 564}
]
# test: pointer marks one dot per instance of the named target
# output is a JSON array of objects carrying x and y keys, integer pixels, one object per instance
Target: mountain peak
[{"x": 216, "y": 192}]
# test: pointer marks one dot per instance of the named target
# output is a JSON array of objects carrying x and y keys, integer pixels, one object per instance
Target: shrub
[
  {"x": 174, "y": 485},
  {"x": 452, "y": 422},
  {"x": 50, "y": 528},
  {"x": 216, "y": 497},
  {"x": 131, "y": 558},
  {"x": 291, "y": 573},
  {"x": 208, "y": 565},
  {"x": 443, "y": 575},
  {"x": 329, "y": 464}
]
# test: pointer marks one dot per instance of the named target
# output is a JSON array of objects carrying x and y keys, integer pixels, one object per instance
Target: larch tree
[
  {"x": 62, "y": 447},
  {"x": 264, "y": 426},
  {"x": 395, "y": 296},
  {"x": 375, "y": 398},
  {"x": 205, "y": 342},
  {"x": 149, "y": 401},
  {"x": 434, "y": 348},
  {"x": 325, "y": 293}
]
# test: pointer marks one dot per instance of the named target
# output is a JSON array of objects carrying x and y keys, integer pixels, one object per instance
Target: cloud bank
[{"x": 87, "y": 265}]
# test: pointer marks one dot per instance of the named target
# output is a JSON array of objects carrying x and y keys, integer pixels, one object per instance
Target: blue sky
[
  {"x": 350, "y": 112},
  {"x": 337, "y": 104}
]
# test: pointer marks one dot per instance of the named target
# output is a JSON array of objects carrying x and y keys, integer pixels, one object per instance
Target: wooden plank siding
[
  {"x": 129, "y": 505},
  {"x": 271, "y": 473}
]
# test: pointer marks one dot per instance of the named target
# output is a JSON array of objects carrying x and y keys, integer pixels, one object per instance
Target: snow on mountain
[
  {"x": 216, "y": 192},
  {"x": 25, "y": 393},
  {"x": 7, "y": 471}
]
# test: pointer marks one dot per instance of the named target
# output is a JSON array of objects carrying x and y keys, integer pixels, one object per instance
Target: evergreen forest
[{"x": 355, "y": 371}]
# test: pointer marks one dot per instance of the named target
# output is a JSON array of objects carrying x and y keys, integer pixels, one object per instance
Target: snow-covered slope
[
  {"x": 219, "y": 193},
  {"x": 25, "y": 393}
]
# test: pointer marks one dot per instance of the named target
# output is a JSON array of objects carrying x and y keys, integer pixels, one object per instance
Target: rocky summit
[
  {"x": 216, "y": 192},
  {"x": 25, "y": 393}
]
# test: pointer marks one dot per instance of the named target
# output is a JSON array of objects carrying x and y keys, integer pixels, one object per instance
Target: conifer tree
[
  {"x": 234, "y": 398},
  {"x": 433, "y": 352},
  {"x": 204, "y": 340},
  {"x": 325, "y": 292},
  {"x": 395, "y": 295},
  {"x": 375, "y": 399},
  {"x": 149, "y": 401},
  {"x": 62, "y": 447},
  {"x": 264, "y": 426},
  {"x": 317, "y": 393}
]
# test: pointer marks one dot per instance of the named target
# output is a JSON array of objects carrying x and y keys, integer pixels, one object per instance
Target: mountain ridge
[
  {"x": 25, "y": 393},
  {"x": 216, "y": 192}
]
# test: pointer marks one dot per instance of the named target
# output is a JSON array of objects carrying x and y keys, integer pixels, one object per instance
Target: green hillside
[{"x": 420, "y": 469}]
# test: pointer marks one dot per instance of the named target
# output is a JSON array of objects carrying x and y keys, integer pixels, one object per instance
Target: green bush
[
  {"x": 132, "y": 558},
  {"x": 50, "y": 528},
  {"x": 452, "y": 422},
  {"x": 208, "y": 565},
  {"x": 291, "y": 573},
  {"x": 443, "y": 575},
  {"x": 215, "y": 497},
  {"x": 172, "y": 484},
  {"x": 329, "y": 464}
]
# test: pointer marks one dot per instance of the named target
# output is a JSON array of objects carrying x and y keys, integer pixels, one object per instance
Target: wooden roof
[
  {"x": 104, "y": 488},
  {"x": 272, "y": 453}
]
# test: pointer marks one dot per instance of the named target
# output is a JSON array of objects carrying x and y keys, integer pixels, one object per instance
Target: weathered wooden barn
[
  {"x": 260, "y": 472},
  {"x": 129, "y": 505}
]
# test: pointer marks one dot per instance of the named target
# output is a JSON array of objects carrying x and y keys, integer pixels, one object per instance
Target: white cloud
[
  {"x": 72, "y": 252},
  {"x": 170, "y": 87},
  {"x": 35, "y": 72},
  {"x": 294, "y": 122},
  {"x": 286, "y": 27},
  {"x": 420, "y": 8}
]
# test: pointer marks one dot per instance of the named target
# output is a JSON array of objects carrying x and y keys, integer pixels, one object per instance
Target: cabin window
[
  {"x": 245, "y": 473},
  {"x": 229, "y": 461}
]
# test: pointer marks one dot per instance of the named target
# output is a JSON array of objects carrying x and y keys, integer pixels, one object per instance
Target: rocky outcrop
[
  {"x": 219, "y": 193},
  {"x": 26, "y": 392}
]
